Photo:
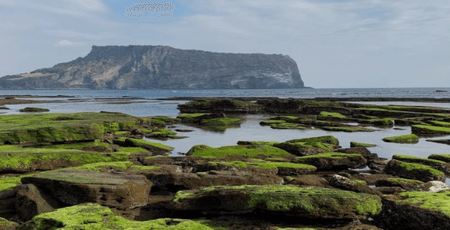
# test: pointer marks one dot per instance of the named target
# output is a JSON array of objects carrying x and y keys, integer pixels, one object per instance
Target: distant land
[{"x": 162, "y": 67}]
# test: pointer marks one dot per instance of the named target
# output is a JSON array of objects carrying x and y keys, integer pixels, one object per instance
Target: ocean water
[
  {"x": 97, "y": 100},
  {"x": 281, "y": 93}
]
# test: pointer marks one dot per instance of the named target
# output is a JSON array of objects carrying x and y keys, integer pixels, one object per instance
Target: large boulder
[
  {"x": 309, "y": 146},
  {"x": 32, "y": 201},
  {"x": 333, "y": 161},
  {"x": 72, "y": 187},
  {"x": 414, "y": 171},
  {"x": 415, "y": 210},
  {"x": 306, "y": 202}
]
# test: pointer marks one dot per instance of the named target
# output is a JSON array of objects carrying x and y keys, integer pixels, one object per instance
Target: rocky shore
[{"x": 102, "y": 171}]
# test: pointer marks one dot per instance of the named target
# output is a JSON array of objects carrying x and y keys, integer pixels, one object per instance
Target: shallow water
[{"x": 250, "y": 130}]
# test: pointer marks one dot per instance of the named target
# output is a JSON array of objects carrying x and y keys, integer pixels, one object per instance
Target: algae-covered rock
[
  {"x": 342, "y": 182},
  {"x": 237, "y": 150},
  {"x": 33, "y": 110},
  {"x": 348, "y": 129},
  {"x": 414, "y": 171},
  {"x": 309, "y": 146},
  {"x": 404, "y": 139},
  {"x": 437, "y": 164},
  {"x": 280, "y": 168},
  {"x": 415, "y": 210},
  {"x": 154, "y": 147},
  {"x": 16, "y": 158},
  {"x": 304, "y": 202},
  {"x": 333, "y": 161},
  {"x": 7, "y": 225},
  {"x": 406, "y": 184},
  {"x": 58, "y": 127},
  {"x": 75, "y": 186},
  {"x": 360, "y": 144},
  {"x": 429, "y": 130},
  {"x": 94, "y": 216}
]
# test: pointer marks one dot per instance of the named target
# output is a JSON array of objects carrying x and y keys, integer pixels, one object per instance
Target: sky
[{"x": 336, "y": 43}]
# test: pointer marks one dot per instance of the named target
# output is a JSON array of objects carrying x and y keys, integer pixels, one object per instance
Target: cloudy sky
[{"x": 336, "y": 43}]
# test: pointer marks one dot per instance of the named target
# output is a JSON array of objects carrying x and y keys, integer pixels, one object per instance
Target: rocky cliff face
[{"x": 162, "y": 67}]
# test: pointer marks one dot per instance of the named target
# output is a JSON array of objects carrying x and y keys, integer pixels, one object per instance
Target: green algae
[
  {"x": 191, "y": 116},
  {"x": 434, "y": 201},
  {"x": 347, "y": 129},
  {"x": 403, "y": 180},
  {"x": 6, "y": 224},
  {"x": 143, "y": 143},
  {"x": 8, "y": 183},
  {"x": 326, "y": 155},
  {"x": 360, "y": 144},
  {"x": 287, "y": 126},
  {"x": 440, "y": 123},
  {"x": 419, "y": 167},
  {"x": 257, "y": 142},
  {"x": 238, "y": 150},
  {"x": 58, "y": 127},
  {"x": 16, "y": 157},
  {"x": 266, "y": 165},
  {"x": 316, "y": 201},
  {"x": 220, "y": 121},
  {"x": 441, "y": 157},
  {"x": 95, "y": 217},
  {"x": 324, "y": 115},
  {"x": 119, "y": 166},
  {"x": 429, "y": 129},
  {"x": 413, "y": 159},
  {"x": 270, "y": 122},
  {"x": 323, "y": 142},
  {"x": 33, "y": 110},
  {"x": 403, "y": 139}
]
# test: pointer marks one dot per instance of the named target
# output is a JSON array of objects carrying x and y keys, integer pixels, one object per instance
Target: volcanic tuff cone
[{"x": 162, "y": 67}]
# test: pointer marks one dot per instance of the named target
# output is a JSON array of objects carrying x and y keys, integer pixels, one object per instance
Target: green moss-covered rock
[
  {"x": 238, "y": 150},
  {"x": 434, "y": 201},
  {"x": 309, "y": 146},
  {"x": 429, "y": 130},
  {"x": 440, "y": 157},
  {"x": 8, "y": 183},
  {"x": 287, "y": 125},
  {"x": 257, "y": 142},
  {"x": 94, "y": 216},
  {"x": 437, "y": 164},
  {"x": 360, "y": 144},
  {"x": 154, "y": 147},
  {"x": 33, "y": 110},
  {"x": 121, "y": 166},
  {"x": 191, "y": 116},
  {"x": 333, "y": 161},
  {"x": 302, "y": 202},
  {"x": 282, "y": 168},
  {"x": 331, "y": 116},
  {"x": 383, "y": 122},
  {"x": 16, "y": 158},
  {"x": 440, "y": 123},
  {"x": 349, "y": 129},
  {"x": 57, "y": 127},
  {"x": 403, "y": 139},
  {"x": 407, "y": 184},
  {"x": 7, "y": 225},
  {"x": 414, "y": 171},
  {"x": 271, "y": 121}
]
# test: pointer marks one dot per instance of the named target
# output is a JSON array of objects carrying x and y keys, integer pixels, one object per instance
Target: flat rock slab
[
  {"x": 302, "y": 202},
  {"x": 78, "y": 186},
  {"x": 334, "y": 161},
  {"x": 415, "y": 210},
  {"x": 414, "y": 171}
]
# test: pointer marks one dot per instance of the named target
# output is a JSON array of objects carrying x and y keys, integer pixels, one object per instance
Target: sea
[{"x": 151, "y": 103}]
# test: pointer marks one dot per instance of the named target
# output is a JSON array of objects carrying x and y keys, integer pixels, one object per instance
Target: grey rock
[{"x": 162, "y": 67}]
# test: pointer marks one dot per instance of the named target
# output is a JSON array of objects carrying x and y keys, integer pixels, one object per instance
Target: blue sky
[{"x": 336, "y": 43}]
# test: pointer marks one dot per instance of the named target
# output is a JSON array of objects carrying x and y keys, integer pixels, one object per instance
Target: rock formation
[{"x": 162, "y": 67}]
